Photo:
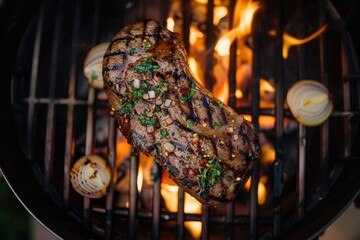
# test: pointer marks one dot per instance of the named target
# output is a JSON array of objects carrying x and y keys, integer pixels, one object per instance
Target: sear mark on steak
[{"x": 207, "y": 148}]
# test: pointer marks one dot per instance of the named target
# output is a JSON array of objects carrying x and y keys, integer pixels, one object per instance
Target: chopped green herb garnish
[
  {"x": 187, "y": 98},
  {"x": 146, "y": 66},
  {"x": 164, "y": 112},
  {"x": 144, "y": 85},
  {"x": 146, "y": 121},
  {"x": 127, "y": 107},
  {"x": 218, "y": 124},
  {"x": 132, "y": 51},
  {"x": 164, "y": 133},
  {"x": 190, "y": 123},
  {"x": 94, "y": 76},
  {"x": 158, "y": 144},
  {"x": 146, "y": 45},
  {"x": 163, "y": 84},
  {"x": 138, "y": 94},
  {"x": 157, "y": 109},
  {"x": 211, "y": 174}
]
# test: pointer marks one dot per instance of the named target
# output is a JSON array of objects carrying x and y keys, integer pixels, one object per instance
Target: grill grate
[{"x": 63, "y": 115}]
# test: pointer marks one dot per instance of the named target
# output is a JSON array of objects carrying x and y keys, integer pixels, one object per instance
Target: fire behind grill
[{"x": 59, "y": 119}]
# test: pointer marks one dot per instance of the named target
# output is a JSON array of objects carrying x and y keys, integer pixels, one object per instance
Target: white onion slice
[
  {"x": 93, "y": 65},
  {"x": 90, "y": 176},
  {"x": 309, "y": 102}
]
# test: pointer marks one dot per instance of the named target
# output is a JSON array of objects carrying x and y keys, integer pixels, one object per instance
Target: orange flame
[
  {"x": 290, "y": 41},
  {"x": 222, "y": 46},
  {"x": 219, "y": 13},
  {"x": 244, "y": 12},
  {"x": 170, "y": 24},
  {"x": 140, "y": 178},
  {"x": 194, "y": 35},
  {"x": 194, "y": 69},
  {"x": 122, "y": 149},
  {"x": 265, "y": 122},
  {"x": 262, "y": 193},
  {"x": 221, "y": 87},
  {"x": 191, "y": 205}
]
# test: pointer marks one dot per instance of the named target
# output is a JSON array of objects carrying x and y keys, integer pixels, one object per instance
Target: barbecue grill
[{"x": 51, "y": 118}]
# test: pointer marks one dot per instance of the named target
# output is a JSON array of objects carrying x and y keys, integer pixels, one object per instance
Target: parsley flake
[
  {"x": 146, "y": 66},
  {"x": 187, "y": 98}
]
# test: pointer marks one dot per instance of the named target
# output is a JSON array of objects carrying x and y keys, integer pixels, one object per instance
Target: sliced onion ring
[
  {"x": 309, "y": 102},
  {"x": 90, "y": 176}
]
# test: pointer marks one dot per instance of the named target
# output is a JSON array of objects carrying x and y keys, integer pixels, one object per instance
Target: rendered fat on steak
[{"x": 207, "y": 148}]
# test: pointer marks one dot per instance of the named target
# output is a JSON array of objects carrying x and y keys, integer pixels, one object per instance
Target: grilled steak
[{"x": 207, "y": 148}]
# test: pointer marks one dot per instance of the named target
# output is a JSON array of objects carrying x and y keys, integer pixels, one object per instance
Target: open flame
[
  {"x": 191, "y": 205},
  {"x": 243, "y": 15},
  {"x": 140, "y": 178},
  {"x": 290, "y": 41},
  {"x": 219, "y": 13},
  {"x": 170, "y": 24},
  {"x": 262, "y": 192},
  {"x": 244, "y": 11},
  {"x": 122, "y": 149}
]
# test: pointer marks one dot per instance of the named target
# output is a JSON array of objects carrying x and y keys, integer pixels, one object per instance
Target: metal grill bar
[
  {"x": 69, "y": 149},
  {"x": 229, "y": 219},
  {"x": 156, "y": 210},
  {"x": 186, "y": 9},
  {"x": 256, "y": 30},
  {"x": 209, "y": 43},
  {"x": 229, "y": 233},
  {"x": 301, "y": 172},
  {"x": 180, "y": 215},
  {"x": 302, "y": 129},
  {"x": 133, "y": 197},
  {"x": 111, "y": 161},
  {"x": 50, "y": 121},
  {"x": 324, "y": 175},
  {"x": 33, "y": 80},
  {"x": 232, "y": 59},
  {"x": 90, "y": 113},
  {"x": 279, "y": 114},
  {"x": 205, "y": 222}
]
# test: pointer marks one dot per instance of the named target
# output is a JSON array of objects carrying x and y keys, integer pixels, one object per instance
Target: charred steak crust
[{"x": 207, "y": 148}]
